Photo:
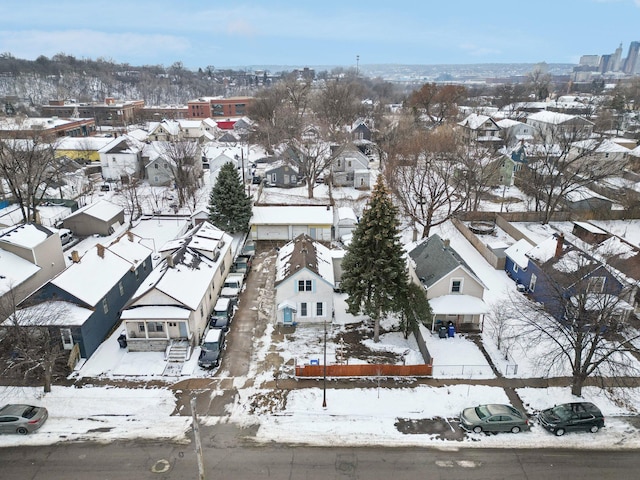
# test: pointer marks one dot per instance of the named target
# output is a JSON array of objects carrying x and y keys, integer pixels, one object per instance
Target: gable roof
[
  {"x": 434, "y": 259},
  {"x": 102, "y": 210},
  {"x": 25, "y": 235},
  {"x": 304, "y": 253},
  {"x": 475, "y": 121}
]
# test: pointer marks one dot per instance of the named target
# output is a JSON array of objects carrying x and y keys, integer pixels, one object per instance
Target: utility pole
[
  {"x": 198, "y": 443},
  {"x": 324, "y": 366},
  {"x": 357, "y": 64}
]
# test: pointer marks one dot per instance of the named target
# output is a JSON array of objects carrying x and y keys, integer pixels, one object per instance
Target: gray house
[
  {"x": 102, "y": 218},
  {"x": 350, "y": 168},
  {"x": 454, "y": 291},
  {"x": 282, "y": 174}
]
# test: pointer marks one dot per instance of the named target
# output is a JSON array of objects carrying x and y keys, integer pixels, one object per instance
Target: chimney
[
  {"x": 130, "y": 235},
  {"x": 75, "y": 256},
  {"x": 559, "y": 245},
  {"x": 446, "y": 243},
  {"x": 100, "y": 250},
  {"x": 170, "y": 262}
]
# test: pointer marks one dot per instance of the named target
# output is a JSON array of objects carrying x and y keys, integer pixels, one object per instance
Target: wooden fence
[{"x": 364, "y": 370}]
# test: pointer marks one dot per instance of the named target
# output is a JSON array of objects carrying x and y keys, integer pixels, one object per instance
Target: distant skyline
[{"x": 199, "y": 33}]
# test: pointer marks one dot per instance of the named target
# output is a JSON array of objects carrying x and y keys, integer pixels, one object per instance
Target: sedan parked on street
[
  {"x": 22, "y": 419},
  {"x": 568, "y": 417},
  {"x": 493, "y": 418}
]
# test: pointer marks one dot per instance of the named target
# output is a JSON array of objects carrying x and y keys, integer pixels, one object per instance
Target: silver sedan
[
  {"x": 493, "y": 418},
  {"x": 23, "y": 419}
]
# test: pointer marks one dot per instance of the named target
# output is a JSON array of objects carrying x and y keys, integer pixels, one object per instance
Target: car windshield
[
  {"x": 210, "y": 346},
  {"x": 483, "y": 412},
  {"x": 562, "y": 412}
]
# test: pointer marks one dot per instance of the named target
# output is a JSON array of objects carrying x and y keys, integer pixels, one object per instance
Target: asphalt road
[{"x": 231, "y": 460}]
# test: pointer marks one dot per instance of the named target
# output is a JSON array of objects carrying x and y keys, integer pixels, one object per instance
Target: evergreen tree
[
  {"x": 229, "y": 206},
  {"x": 414, "y": 309},
  {"x": 374, "y": 269}
]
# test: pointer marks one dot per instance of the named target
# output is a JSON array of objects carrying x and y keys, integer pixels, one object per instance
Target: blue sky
[{"x": 328, "y": 32}]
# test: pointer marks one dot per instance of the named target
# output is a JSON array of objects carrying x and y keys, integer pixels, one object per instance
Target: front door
[
  {"x": 287, "y": 316},
  {"x": 183, "y": 329}
]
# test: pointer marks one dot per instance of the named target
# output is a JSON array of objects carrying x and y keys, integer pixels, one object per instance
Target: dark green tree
[
  {"x": 414, "y": 309},
  {"x": 229, "y": 206},
  {"x": 374, "y": 269}
]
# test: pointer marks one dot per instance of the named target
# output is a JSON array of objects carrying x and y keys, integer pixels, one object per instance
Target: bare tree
[
  {"x": 337, "y": 105},
  {"x": 479, "y": 168},
  {"x": 438, "y": 103},
  {"x": 312, "y": 156},
  {"x": 31, "y": 343},
  {"x": 556, "y": 168},
  {"x": 185, "y": 163},
  {"x": 580, "y": 321},
  {"x": 423, "y": 176},
  {"x": 29, "y": 167},
  {"x": 539, "y": 81}
]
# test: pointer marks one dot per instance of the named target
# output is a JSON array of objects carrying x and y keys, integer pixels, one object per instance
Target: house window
[
  {"x": 141, "y": 327},
  {"x": 67, "y": 338},
  {"x": 304, "y": 285},
  {"x": 319, "y": 309},
  {"x": 173, "y": 324},
  {"x": 144, "y": 265},
  {"x": 515, "y": 267},
  {"x": 532, "y": 282},
  {"x": 121, "y": 288},
  {"x": 137, "y": 274},
  {"x": 596, "y": 284},
  {"x": 349, "y": 164},
  {"x": 156, "y": 166},
  {"x": 274, "y": 177},
  {"x": 222, "y": 266},
  {"x": 155, "y": 326},
  {"x": 456, "y": 285},
  {"x": 105, "y": 305},
  {"x": 303, "y": 309}
]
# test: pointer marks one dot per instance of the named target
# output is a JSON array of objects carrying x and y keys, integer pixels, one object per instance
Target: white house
[
  {"x": 172, "y": 307},
  {"x": 304, "y": 282},
  {"x": 120, "y": 158}
]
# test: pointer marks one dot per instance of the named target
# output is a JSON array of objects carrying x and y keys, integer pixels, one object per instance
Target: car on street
[
  {"x": 22, "y": 419},
  {"x": 493, "y": 418},
  {"x": 222, "y": 313},
  {"x": 211, "y": 348},
  {"x": 568, "y": 417}
]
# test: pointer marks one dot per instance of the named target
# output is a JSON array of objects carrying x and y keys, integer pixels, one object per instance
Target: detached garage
[
  {"x": 286, "y": 223},
  {"x": 102, "y": 218}
]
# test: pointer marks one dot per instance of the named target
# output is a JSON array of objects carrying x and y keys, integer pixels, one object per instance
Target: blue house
[
  {"x": 557, "y": 274},
  {"x": 84, "y": 301}
]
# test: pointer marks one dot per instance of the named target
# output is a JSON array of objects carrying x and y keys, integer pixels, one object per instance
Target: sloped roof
[
  {"x": 26, "y": 235},
  {"x": 102, "y": 210},
  {"x": 433, "y": 260},
  {"x": 304, "y": 252}
]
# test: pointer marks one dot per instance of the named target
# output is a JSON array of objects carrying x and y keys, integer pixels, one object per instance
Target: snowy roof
[
  {"x": 102, "y": 210},
  {"x": 296, "y": 215},
  {"x": 606, "y": 146},
  {"x": 26, "y": 235},
  {"x": 475, "y": 121},
  {"x": 590, "y": 227},
  {"x": 303, "y": 252},
  {"x": 186, "y": 282},
  {"x": 518, "y": 252},
  {"x": 544, "y": 251},
  {"x": 56, "y": 312},
  {"x": 152, "y": 312},
  {"x": 555, "y": 118},
  {"x": 347, "y": 213},
  {"x": 458, "y": 305},
  {"x": 508, "y": 123},
  {"x": 83, "y": 143},
  {"x": 94, "y": 275},
  {"x": 129, "y": 247},
  {"x": 14, "y": 270}
]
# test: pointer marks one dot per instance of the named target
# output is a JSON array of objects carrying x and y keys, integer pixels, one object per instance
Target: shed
[{"x": 102, "y": 218}]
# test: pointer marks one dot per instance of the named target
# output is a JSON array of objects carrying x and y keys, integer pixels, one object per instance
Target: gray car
[
  {"x": 23, "y": 419},
  {"x": 493, "y": 418}
]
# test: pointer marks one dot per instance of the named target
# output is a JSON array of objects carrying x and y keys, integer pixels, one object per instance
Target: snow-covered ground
[{"x": 353, "y": 416}]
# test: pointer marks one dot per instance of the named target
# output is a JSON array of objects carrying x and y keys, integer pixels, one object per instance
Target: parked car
[
  {"x": 493, "y": 418},
  {"x": 568, "y": 417},
  {"x": 242, "y": 264},
  {"x": 66, "y": 235},
  {"x": 22, "y": 419},
  {"x": 222, "y": 313},
  {"x": 211, "y": 348}
]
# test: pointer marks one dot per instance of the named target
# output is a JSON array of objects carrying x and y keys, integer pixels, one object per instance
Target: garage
[{"x": 272, "y": 232}]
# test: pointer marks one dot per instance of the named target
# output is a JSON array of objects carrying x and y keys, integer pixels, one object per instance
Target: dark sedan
[{"x": 568, "y": 417}]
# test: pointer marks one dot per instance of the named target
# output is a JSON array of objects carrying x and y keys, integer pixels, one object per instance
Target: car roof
[
  {"x": 213, "y": 335},
  {"x": 222, "y": 304},
  {"x": 499, "y": 408},
  {"x": 14, "y": 409}
]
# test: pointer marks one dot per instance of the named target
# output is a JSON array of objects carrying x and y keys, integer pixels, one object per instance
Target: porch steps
[{"x": 178, "y": 352}]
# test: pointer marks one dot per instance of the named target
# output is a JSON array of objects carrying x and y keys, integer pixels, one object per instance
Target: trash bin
[
  {"x": 451, "y": 329},
  {"x": 442, "y": 331},
  {"x": 122, "y": 340}
]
